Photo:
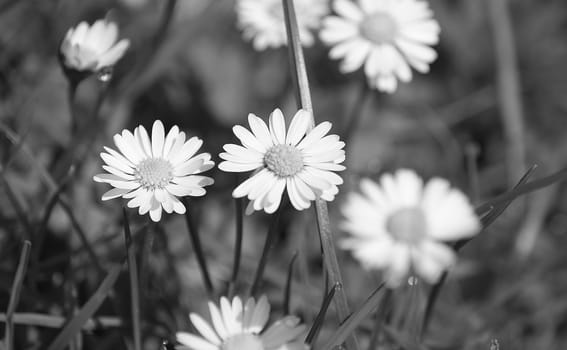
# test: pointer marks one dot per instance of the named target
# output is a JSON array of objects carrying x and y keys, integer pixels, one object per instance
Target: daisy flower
[
  {"x": 386, "y": 36},
  {"x": 301, "y": 161},
  {"x": 238, "y": 326},
  {"x": 263, "y": 22},
  {"x": 92, "y": 48},
  {"x": 399, "y": 225},
  {"x": 152, "y": 173}
]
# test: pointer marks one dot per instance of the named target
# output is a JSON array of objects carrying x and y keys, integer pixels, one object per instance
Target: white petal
[
  {"x": 194, "y": 342},
  {"x": 298, "y": 127},
  {"x": 204, "y": 328},
  {"x": 277, "y": 127},
  {"x": 158, "y": 139}
]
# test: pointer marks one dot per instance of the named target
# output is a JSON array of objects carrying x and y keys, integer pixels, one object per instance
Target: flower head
[
  {"x": 386, "y": 36},
  {"x": 262, "y": 21},
  {"x": 301, "y": 161},
  {"x": 92, "y": 48},
  {"x": 238, "y": 326},
  {"x": 152, "y": 173},
  {"x": 399, "y": 225}
]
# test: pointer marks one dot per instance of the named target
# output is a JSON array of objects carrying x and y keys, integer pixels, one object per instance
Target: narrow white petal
[
  {"x": 158, "y": 139},
  {"x": 277, "y": 127}
]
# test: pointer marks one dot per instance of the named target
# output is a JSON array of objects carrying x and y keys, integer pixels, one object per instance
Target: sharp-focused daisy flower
[
  {"x": 262, "y": 21},
  {"x": 301, "y": 161},
  {"x": 386, "y": 36},
  {"x": 238, "y": 326},
  {"x": 152, "y": 173},
  {"x": 399, "y": 225},
  {"x": 92, "y": 48}
]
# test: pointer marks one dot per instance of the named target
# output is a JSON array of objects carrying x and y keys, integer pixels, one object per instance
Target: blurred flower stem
[
  {"x": 326, "y": 236},
  {"x": 198, "y": 248},
  {"x": 71, "y": 94},
  {"x": 509, "y": 89}
]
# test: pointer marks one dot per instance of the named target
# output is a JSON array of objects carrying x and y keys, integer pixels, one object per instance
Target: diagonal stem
[
  {"x": 266, "y": 251},
  {"x": 299, "y": 72}
]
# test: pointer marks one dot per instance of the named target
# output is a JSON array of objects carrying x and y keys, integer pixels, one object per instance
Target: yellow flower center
[
  {"x": 284, "y": 160},
  {"x": 407, "y": 225},
  {"x": 379, "y": 27},
  {"x": 243, "y": 341},
  {"x": 153, "y": 173}
]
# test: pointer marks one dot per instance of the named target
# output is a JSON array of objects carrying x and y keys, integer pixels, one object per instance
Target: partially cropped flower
[
  {"x": 384, "y": 36},
  {"x": 262, "y": 21},
  {"x": 152, "y": 173},
  {"x": 238, "y": 326},
  {"x": 400, "y": 224},
  {"x": 301, "y": 161},
  {"x": 92, "y": 48}
]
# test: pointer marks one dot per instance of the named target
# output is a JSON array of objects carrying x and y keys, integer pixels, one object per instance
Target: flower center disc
[
  {"x": 154, "y": 173},
  {"x": 407, "y": 225},
  {"x": 243, "y": 341},
  {"x": 284, "y": 160},
  {"x": 379, "y": 27}
]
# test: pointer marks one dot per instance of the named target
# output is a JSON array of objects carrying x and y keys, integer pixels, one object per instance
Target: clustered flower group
[{"x": 399, "y": 225}]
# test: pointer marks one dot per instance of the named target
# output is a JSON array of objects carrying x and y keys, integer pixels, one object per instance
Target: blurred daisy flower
[
  {"x": 263, "y": 22},
  {"x": 399, "y": 225},
  {"x": 301, "y": 161},
  {"x": 238, "y": 326},
  {"x": 386, "y": 36},
  {"x": 152, "y": 173},
  {"x": 92, "y": 48}
]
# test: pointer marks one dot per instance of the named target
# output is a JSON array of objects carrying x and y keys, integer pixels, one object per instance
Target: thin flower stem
[
  {"x": 134, "y": 285},
  {"x": 471, "y": 154},
  {"x": 287, "y": 290},
  {"x": 147, "y": 248},
  {"x": 15, "y": 294},
  {"x": 237, "y": 244},
  {"x": 509, "y": 88},
  {"x": 198, "y": 249},
  {"x": 299, "y": 72},
  {"x": 320, "y": 318},
  {"x": 273, "y": 229}
]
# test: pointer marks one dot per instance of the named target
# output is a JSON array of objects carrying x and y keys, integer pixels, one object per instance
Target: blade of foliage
[
  {"x": 287, "y": 290},
  {"x": 134, "y": 285},
  {"x": 49, "y": 321},
  {"x": 491, "y": 214},
  {"x": 198, "y": 248},
  {"x": 349, "y": 325},
  {"x": 318, "y": 322},
  {"x": 15, "y": 294},
  {"x": 266, "y": 251},
  {"x": 237, "y": 244},
  {"x": 85, "y": 313}
]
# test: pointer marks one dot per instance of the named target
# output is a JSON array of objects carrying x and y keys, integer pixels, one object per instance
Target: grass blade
[
  {"x": 355, "y": 319},
  {"x": 134, "y": 285},
  {"x": 15, "y": 294},
  {"x": 265, "y": 251},
  {"x": 85, "y": 313}
]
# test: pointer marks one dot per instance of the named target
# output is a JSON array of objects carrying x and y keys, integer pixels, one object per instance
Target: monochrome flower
[
  {"x": 384, "y": 36},
  {"x": 238, "y": 326},
  {"x": 301, "y": 161},
  {"x": 263, "y": 23},
  {"x": 152, "y": 173},
  {"x": 399, "y": 225},
  {"x": 92, "y": 48}
]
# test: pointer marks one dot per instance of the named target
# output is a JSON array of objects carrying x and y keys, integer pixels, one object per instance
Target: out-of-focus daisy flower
[
  {"x": 263, "y": 22},
  {"x": 386, "y": 36},
  {"x": 238, "y": 326},
  {"x": 92, "y": 48},
  {"x": 152, "y": 173},
  {"x": 399, "y": 225},
  {"x": 301, "y": 161}
]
